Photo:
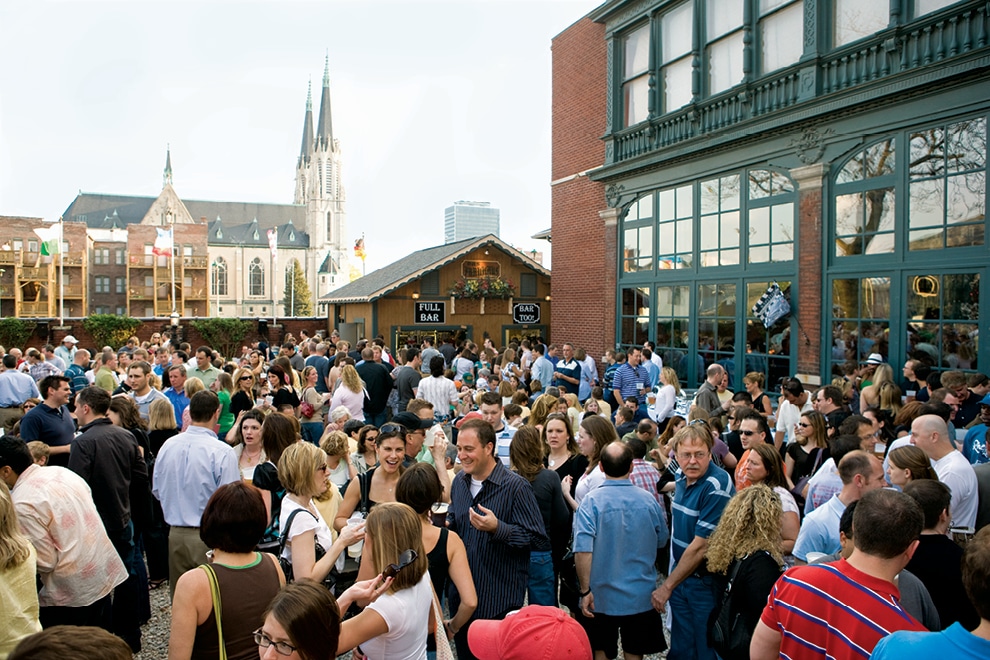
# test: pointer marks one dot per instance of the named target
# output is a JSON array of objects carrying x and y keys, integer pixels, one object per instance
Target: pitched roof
[
  {"x": 381, "y": 282},
  {"x": 101, "y": 211}
]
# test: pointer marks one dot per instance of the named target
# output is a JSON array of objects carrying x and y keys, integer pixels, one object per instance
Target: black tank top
[{"x": 439, "y": 568}]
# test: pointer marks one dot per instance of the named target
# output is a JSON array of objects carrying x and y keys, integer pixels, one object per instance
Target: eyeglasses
[
  {"x": 264, "y": 641},
  {"x": 322, "y": 468},
  {"x": 392, "y": 429},
  {"x": 406, "y": 558},
  {"x": 698, "y": 455},
  {"x": 747, "y": 433}
]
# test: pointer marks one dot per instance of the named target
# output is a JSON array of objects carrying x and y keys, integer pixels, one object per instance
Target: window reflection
[
  {"x": 719, "y": 234},
  {"x": 779, "y": 23},
  {"x": 672, "y": 334},
  {"x": 768, "y": 350},
  {"x": 856, "y": 19},
  {"x": 716, "y": 328},
  {"x": 860, "y": 326},
  {"x": 635, "y": 323},
  {"x": 675, "y": 228},
  {"x": 943, "y": 311}
]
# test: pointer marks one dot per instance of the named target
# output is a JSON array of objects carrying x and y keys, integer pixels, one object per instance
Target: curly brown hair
[{"x": 750, "y": 523}]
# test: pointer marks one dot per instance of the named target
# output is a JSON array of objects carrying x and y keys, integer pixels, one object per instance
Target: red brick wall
[
  {"x": 809, "y": 282},
  {"x": 583, "y": 283}
]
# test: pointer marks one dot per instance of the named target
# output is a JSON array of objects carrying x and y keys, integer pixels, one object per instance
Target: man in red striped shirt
[{"x": 841, "y": 610}]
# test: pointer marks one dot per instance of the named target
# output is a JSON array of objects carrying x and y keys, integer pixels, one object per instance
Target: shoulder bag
[
  {"x": 330, "y": 581},
  {"x": 727, "y": 632},
  {"x": 217, "y": 611},
  {"x": 305, "y": 407}
]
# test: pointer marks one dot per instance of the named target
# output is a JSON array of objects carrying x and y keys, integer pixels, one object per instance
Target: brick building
[{"x": 836, "y": 148}]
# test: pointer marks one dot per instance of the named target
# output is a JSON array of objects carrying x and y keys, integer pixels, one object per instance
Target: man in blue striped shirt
[{"x": 495, "y": 513}]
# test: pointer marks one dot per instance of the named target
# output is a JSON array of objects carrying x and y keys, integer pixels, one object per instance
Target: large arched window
[
  {"x": 218, "y": 277},
  {"x": 256, "y": 278}
]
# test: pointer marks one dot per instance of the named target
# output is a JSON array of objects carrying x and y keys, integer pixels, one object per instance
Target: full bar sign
[
  {"x": 526, "y": 313},
  {"x": 430, "y": 312}
]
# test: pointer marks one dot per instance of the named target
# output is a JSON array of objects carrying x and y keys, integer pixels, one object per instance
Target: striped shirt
[
  {"x": 627, "y": 379},
  {"x": 503, "y": 439},
  {"x": 834, "y": 611},
  {"x": 499, "y": 560},
  {"x": 697, "y": 508}
]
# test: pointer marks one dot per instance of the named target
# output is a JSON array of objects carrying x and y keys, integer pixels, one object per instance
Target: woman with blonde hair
[
  {"x": 542, "y": 407},
  {"x": 746, "y": 545},
  {"x": 278, "y": 433},
  {"x": 666, "y": 401},
  {"x": 18, "y": 565},
  {"x": 350, "y": 393},
  {"x": 907, "y": 463},
  {"x": 302, "y": 469},
  {"x": 870, "y": 395},
  {"x": 753, "y": 382},
  {"x": 395, "y": 625},
  {"x": 192, "y": 386},
  {"x": 340, "y": 470},
  {"x": 242, "y": 399},
  {"x": 889, "y": 398},
  {"x": 574, "y": 410}
]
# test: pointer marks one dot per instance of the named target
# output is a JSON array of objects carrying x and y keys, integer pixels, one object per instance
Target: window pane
[
  {"x": 783, "y": 223},
  {"x": 960, "y": 296},
  {"x": 780, "y": 47},
  {"x": 677, "y": 84},
  {"x": 668, "y": 210},
  {"x": 967, "y": 145},
  {"x": 637, "y": 51},
  {"x": 685, "y": 201},
  {"x": 923, "y": 7},
  {"x": 725, "y": 67},
  {"x": 864, "y": 222},
  {"x": 729, "y": 226},
  {"x": 636, "y": 100},
  {"x": 723, "y": 16},
  {"x": 856, "y": 19},
  {"x": 927, "y": 153},
  {"x": 759, "y": 226},
  {"x": 759, "y": 254},
  {"x": 684, "y": 236},
  {"x": 769, "y": 5},
  {"x": 677, "y": 26}
]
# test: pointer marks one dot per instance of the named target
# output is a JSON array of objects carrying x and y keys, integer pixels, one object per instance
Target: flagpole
[
  {"x": 171, "y": 216},
  {"x": 61, "y": 274}
]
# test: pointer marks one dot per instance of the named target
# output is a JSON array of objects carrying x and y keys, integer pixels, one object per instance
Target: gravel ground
[{"x": 154, "y": 634}]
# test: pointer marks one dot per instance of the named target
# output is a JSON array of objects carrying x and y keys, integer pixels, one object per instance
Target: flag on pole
[
  {"x": 772, "y": 306},
  {"x": 163, "y": 242},
  {"x": 49, "y": 240},
  {"x": 273, "y": 241},
  {"x": 359, "y": 249}
]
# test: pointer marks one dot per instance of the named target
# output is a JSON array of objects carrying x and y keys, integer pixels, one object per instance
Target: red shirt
[{"x": 834, "y": 610}]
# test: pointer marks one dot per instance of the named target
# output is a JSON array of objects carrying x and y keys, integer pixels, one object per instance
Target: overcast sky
[{"x": 433, "y": 102}]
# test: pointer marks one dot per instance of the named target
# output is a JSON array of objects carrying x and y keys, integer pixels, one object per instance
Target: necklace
[
  {"x": 250, "y": 459},
  {"x": 553, "y": 461}
]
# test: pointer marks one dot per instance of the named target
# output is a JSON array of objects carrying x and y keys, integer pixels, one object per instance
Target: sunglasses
[
  {"x": 803, "y": 425},
  {"x": 747, "y": 433},
  {"x": 390, "y": 429},
  {"x": 246, "y": 378},
  {"x": 322, "y": 468},
  {"x": 406, "y": 558}
]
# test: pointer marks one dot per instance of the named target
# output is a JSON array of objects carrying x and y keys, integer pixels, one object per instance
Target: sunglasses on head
[
  {"x": 392, "y": 429},
  {"x": 406, "y": 558}
]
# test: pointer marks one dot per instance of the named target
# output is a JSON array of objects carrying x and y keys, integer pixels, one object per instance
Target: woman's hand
[
  {"x": 364, "y": 592},
  {"x": 351, "y": 534}
]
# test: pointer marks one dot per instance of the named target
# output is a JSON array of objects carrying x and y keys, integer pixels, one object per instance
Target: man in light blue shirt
[
  {"x": 542, "y": 369},
  {"x": 190, "y": 467},
  {"x": 617, "y": 531},
  {"x": 15, "y": 388}
]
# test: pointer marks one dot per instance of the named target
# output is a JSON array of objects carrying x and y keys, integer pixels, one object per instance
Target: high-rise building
[{"x": 466, "y": 220}]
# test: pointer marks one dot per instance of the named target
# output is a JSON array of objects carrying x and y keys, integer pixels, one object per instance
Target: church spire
[
  {"x": 324, "y": 133},
  {"x": 307, "y": 139},
  {"x": 167, "y": 177}
]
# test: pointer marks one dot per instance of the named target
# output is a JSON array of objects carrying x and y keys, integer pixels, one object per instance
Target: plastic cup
[
  {"x": 354, "y": 550},
  {"x": 440, "y": 514}
]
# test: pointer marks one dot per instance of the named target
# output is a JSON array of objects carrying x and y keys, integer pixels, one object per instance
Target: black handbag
[
  {"x": 728, "y": 634},
  {"x": 330, "y": 581}
]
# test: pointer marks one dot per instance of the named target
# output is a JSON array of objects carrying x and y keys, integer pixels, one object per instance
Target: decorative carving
[
  {"x": 810, "y": 25},
  {"x": 631, "y": 11},
  {"x": 807, "y": 81},
  {"x": 610, "y": 47},
  {"x": 613, "y": 193},
  {"x": 810, "y": 145}
]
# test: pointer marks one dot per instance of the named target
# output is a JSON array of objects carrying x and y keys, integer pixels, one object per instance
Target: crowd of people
[{"x": 316, "y": 498}]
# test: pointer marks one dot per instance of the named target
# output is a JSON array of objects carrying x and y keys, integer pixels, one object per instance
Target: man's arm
[
  {"x": 765, "y": 644},
  {"x": 32, "y": 523},
  {"x": 81, "y": 460},
  {"x": 521, "y": 527},
  {"x": 693, "y": 555}
]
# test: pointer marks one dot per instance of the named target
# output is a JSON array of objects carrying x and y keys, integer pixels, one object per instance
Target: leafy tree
[
  {"x": 298, "y": 300},
  {"x": 110, "y": 329},
  {"x": 15, "y": 332},
  {"x": 223, "y": 334}
]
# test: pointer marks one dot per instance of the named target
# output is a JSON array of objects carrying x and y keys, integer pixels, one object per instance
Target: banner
[
  {"x": 772, "y": 306},
  {"x": 49, "y": 240},
  {"x": 273, "y": 241},
  {"x": 163, "y": 242}
]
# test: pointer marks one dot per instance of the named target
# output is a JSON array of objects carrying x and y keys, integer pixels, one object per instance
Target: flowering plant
[{"x": 485, "y": 287}]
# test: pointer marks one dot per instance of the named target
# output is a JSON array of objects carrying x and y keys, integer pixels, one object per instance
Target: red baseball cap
[{"x": 532, "y": 633}]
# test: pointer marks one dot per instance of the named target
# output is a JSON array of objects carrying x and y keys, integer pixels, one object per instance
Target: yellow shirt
[{"x": 19, "y": 604}]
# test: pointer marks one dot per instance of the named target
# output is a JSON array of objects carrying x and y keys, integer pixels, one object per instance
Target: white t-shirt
[
  {"x": 407, "y": 615},
  {"x": 787, "y": 500},
  {"x": 788, "y": 415},
  {"x": 589, "y": 482},
  {"x": 304, "y": 522},
  {"x": 956, "y": 472}
]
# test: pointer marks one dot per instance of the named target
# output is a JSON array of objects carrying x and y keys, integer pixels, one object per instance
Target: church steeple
[
  {"x": 167, "y": 177},
  {"x": 307, "y": 139},
  {"x": 324, "y": 133}
]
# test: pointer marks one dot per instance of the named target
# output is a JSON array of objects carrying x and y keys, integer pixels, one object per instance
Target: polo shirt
[
  {"x": 955, "y": 639},
  {"x": 820, "y": 530},
  {"x": 16, "y": 388},
  {"x": 503, "y": 439},
  {"x": 697, "y": 508},
  {"x": 618, "y": 519},
  {"x": 571, "y": 369},
  {"x": 834, "y": 611},
  {"x": 179, "y": 402},
  {"x": 207, "y": 375},
  {"x": 53, "y": 426},
  {"x": 627, "y": 378},
  {"x": 77, "y": 376}
]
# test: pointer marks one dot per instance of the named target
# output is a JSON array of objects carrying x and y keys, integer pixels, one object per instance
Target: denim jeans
[
  {"x": 376, "y": 419},
  {"x": 311, "y": 432},
  {"x": 541, "y": 589},
  {"x": 691, "y": 604}
]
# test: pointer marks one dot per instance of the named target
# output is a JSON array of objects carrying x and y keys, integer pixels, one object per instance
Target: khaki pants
[
  {"x": 9, "y": 417},
  {"x": 186, "y": 551}
]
